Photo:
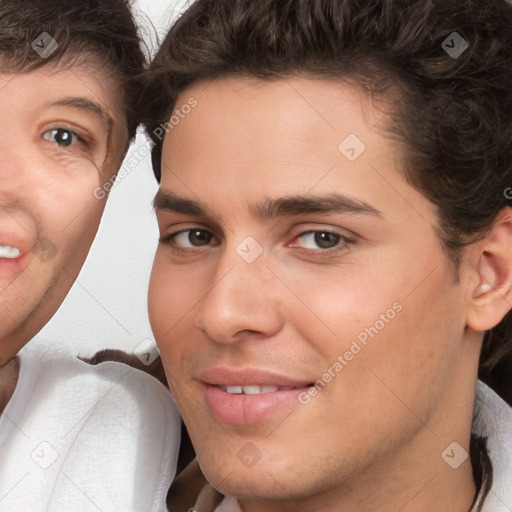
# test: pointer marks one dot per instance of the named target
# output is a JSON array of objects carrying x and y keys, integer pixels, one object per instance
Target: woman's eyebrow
[{"x": 89, "y": 106}]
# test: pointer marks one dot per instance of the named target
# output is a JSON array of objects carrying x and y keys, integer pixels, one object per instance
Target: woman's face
[{"x": 64, "y": 135}]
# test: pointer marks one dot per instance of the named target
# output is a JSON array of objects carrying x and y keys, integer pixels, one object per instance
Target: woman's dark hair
[
  {"x": 443, "y": 67},
  {"x": 103, "y": 30}
]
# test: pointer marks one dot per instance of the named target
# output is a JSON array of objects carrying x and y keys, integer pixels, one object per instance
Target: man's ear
[{"x": 492, "y": 296}]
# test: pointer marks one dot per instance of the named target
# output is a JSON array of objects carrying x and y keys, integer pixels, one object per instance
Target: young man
[
  {"x": 72, "y": 436},
  {"x": 336, "y": 243}
]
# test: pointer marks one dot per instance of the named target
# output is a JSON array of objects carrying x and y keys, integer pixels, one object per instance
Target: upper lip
[
  {"x": 225, "y": 376},
  {"x": 13, "y": 240}
]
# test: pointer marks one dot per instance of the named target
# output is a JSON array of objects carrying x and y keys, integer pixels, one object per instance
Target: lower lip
[
  {"x": 11, "y": 267},
  {"x": 240, "y": 409}
]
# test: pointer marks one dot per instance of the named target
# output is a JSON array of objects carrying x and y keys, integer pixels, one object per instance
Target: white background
[{"x": 106, "y": 308}]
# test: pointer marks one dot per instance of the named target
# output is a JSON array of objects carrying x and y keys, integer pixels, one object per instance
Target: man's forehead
[{"x": 339, "y": 147}]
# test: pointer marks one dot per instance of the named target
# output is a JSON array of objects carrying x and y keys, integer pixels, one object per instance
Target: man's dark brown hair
[
  {"x": 444, "y": 69},
  {"x": 101, "y": 32}
]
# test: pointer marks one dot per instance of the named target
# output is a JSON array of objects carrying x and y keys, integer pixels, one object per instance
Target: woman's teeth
[
  {"x": 8, "y": 252},
  {"x": 254, "y": 389}
]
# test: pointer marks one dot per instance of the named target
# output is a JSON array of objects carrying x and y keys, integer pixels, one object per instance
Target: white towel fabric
[
  {"x": 82, "y": 438},
  {"x": 228, "y": 504},
  {"x": 494, "y": 420}
]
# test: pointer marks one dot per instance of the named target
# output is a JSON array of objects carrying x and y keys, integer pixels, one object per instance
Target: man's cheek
[{"x": 173, "y": 302}]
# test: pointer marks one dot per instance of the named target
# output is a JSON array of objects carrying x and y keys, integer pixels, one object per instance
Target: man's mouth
[
  {"x": 9, "y": 252},
  {"x": 254, "y": 389},
  {"x": 248, "y": 396}
]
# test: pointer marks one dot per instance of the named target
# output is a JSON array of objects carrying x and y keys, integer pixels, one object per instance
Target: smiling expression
[
  {"x": 294, "y": 256},
  {"x": 64, "y": 136}
]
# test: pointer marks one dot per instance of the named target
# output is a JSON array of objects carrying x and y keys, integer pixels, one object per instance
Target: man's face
[
  {"x": 63, "y": 136},
  {"x": 308, "y": 319}
]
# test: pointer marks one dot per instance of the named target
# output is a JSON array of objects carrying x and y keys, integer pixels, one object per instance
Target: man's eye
[
  {"x": 62, "y": 137},
  {"x": 318, "y": 240},
  {"x": 192, "y": 238}
]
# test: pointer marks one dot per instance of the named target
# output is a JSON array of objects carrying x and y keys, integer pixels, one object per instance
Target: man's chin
[{"x": 252, "y": 484}]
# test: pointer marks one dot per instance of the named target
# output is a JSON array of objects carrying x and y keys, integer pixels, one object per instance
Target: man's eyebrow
[
  {"x": 90, "y": 106},
  {"x": 301, "y": 205},
  {"x": 167, "y": 201},
  {"x": 281, "y": 207}
]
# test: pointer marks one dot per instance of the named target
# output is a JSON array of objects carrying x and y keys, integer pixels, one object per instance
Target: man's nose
[{"x": 243, "y": 301}]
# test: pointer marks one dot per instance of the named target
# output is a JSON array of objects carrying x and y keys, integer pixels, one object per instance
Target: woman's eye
[
  {"x": 62, "y": 137},
  {"x": 192, "y": 238},
  {"x": 318, "y": 240}
]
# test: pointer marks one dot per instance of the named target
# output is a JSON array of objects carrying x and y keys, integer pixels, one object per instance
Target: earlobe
[{"x": 492, "y": 296}]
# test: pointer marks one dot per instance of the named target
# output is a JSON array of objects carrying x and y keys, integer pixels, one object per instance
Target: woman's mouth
[{"x": 9, "y": 252}]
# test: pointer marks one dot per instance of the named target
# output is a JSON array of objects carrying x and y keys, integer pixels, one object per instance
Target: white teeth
[
  {"x": 6, "y": 251},
  {"x": 254, "y": 389},
  {"x": 251, "y": 390},
  {"x": 269, "y": 389}
]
